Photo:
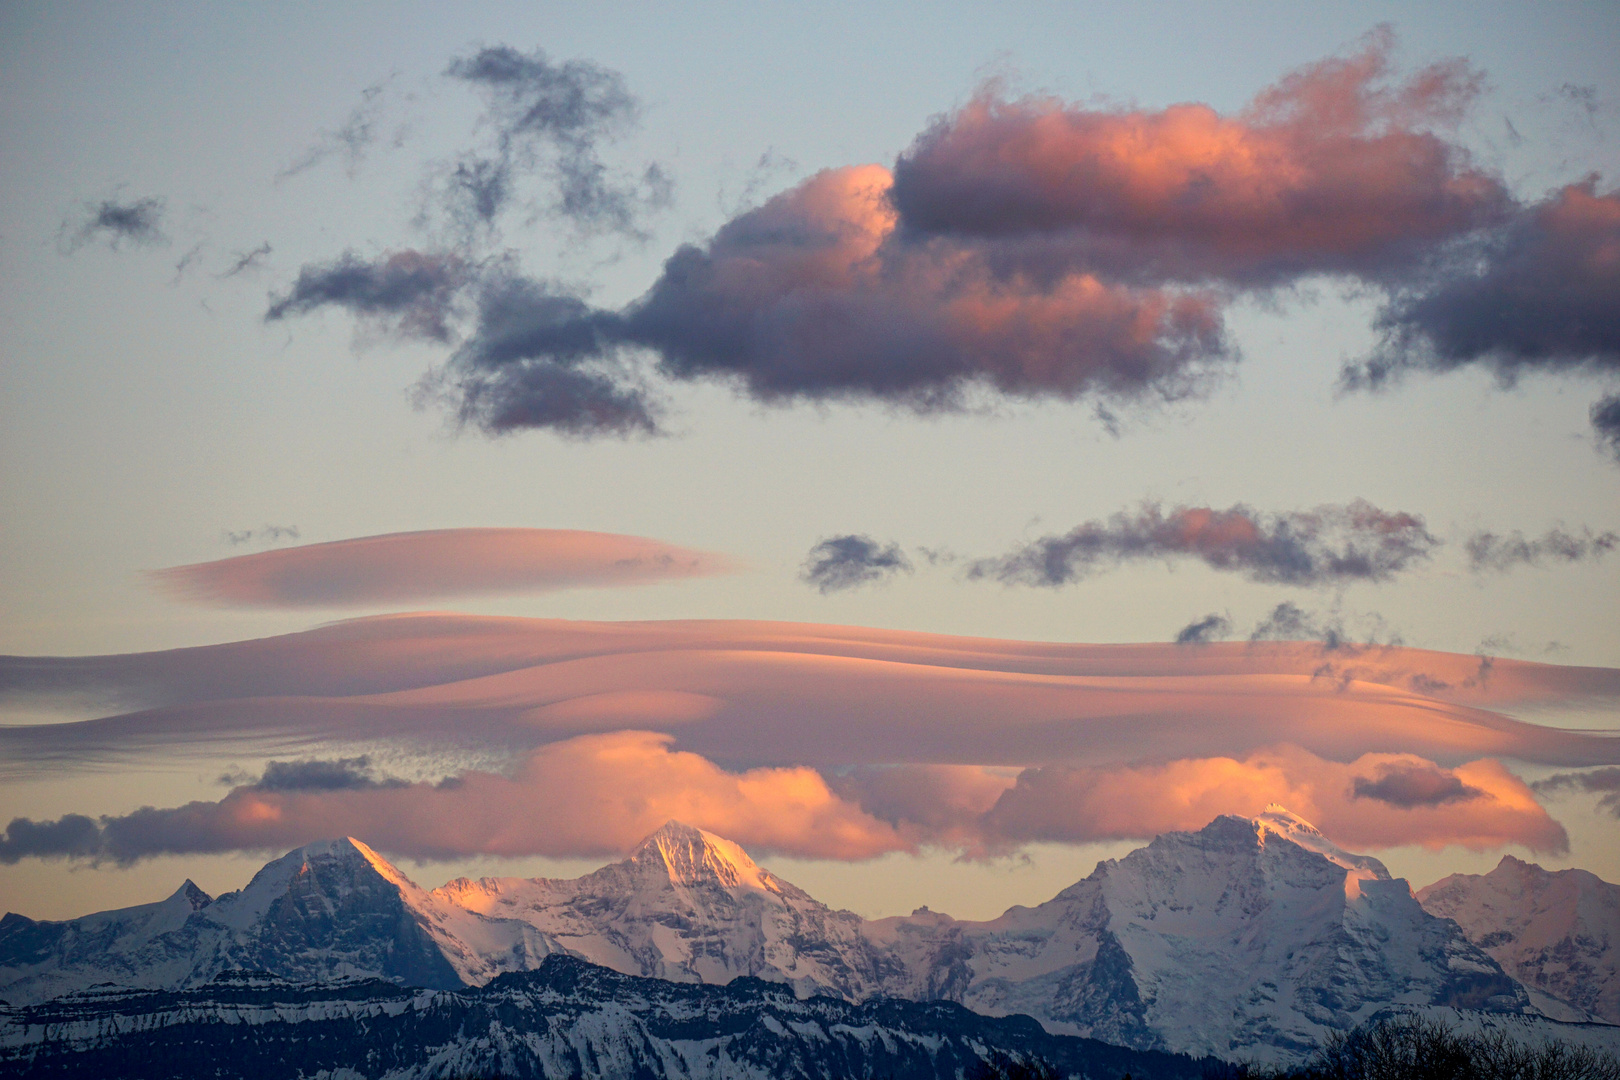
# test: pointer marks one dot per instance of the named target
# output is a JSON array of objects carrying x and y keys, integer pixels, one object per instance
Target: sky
[{"x": 936, "y": 447}]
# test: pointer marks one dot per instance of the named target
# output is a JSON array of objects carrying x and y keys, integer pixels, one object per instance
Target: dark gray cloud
[
  {"x": 1329, "y": 545},
  {"x": 243, "y": 261},
  {"x": 70, "y": 836},
  {"x": 1540, "y": 293},
  {"x": 552, "y": 117},
  {"x": 1606, "y": 422},
  {"x": 138, "y": 223},
  {"x": 1211, "y": 627},
  {"x": 1412, "y": 786},
  {"x": 410, "y": 292},
  {"x": 1290, "y": 622},
  {"x": 1604, "y": 782},
  {"x": 193, "y": 828},
  {"x": 337, "y": 774},
  {"x": 846, "y": 562},
  {"x": 1488, "y": 551}
]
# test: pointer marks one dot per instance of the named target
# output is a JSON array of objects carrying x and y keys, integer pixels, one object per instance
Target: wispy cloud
[
  {"x": 847, "y": 562},
  {"x": 1330, "y": 545},
  {"x": 551, "y": 117},
  {"x": 416, "y": 566},
  {"x": 1603, "y": 782},
  {"x": 1211, "y": 627},
  {"x": 1490, "y": 551}
]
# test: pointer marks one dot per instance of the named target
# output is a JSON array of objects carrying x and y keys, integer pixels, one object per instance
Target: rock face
[
  {"x": 1557, "y": 932},
  {"x": 689, "y": 906},
  {"x": 566, "y": 1019},
  {"x": 1249, "y": 938}
]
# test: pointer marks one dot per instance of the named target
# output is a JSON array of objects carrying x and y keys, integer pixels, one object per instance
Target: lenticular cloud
[
  {"x": 823, "y": 741},
  {"x": 412, "y": 567}
]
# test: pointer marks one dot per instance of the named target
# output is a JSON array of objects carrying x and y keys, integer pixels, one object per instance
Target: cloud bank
[
  {"x": 1329, "y": 545},
  {"x": 403, "y": 568},
  {"x": 599, "y": 794}
]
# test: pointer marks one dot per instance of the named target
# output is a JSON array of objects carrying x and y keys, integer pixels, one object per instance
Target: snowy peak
[
  {"x": 688, "y": 856},
  {"x": 1556, "y": 931},
  {"x": 1278, "y": 820}
]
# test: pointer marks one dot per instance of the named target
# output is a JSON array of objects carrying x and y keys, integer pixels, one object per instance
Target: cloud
[
  {"x": 1539, "y": 293},
  {"x": 1488, "y": 551},
  {"x": 1409, "y": 785},
  {"x": 757, "y": 694},
  {"x": 1027, "y": 249},
  {"x": 341, "y": 774},
  {"x": 1606, "y": 422},
  {"x": 1211, "y": 627},
  {"x": 1290, "y": 622},
  {"x": 846, "y": 562},
  {"x": 592, "y": 795},
  {"x": 409, "y": 292},
  {"x": 247, "y": 260},
  {"x": 1334, "y": 169},
  {"x": 416, "y": 566},
  {"x": 552, "y": 117},
  {"x": 598, "y": 794},
  {"x": 350, "y": 141},
  {"x": 1605, "y": 782},
  {"x": 1325, "y": 546},
  {"x": 70, "y": 836},
  {"x": 1076, "y": 804},
  {"x": 138, "y": 223},
  {"x": 268, "y": 534}
]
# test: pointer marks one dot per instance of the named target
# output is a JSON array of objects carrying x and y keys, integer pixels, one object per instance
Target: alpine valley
[{"x": 1250, "y": 939}]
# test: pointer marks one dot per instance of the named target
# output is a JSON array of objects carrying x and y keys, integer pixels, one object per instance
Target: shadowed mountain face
[
  {"x": 566, "y": 1019},
  {"x": 1252, "y": 938},
  {"x": 1558, "y": 932}
]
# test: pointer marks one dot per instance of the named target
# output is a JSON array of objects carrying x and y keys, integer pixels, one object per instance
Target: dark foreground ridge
[{"x": 566, "y": 1019}]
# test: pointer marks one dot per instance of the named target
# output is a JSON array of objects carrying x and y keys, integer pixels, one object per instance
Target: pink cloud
[
  {"x": 1336, "y": 168},
  {"x": 412, "y": 567},
  {"x": 791, "y": 694}
]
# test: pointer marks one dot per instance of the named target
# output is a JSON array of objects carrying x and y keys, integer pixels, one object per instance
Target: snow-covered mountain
[
  {"x": 1249, "y": 938},
  {"x": 566, "y": 1019},
  {"x": 689, "y": 906},
  {"x": 1556, "y": 931},
  {"x": 328, "y": 910}
]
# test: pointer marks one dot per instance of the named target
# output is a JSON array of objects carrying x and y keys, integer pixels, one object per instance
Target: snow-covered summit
[
  {"x": 1556, "y": 931},
  {"x": 1278, "y": 820},
  {"x": 690, "y": 856}
]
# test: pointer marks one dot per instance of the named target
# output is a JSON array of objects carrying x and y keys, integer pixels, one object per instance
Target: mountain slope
[
  {"x": 1555, "y": 931},
  {"x": 689, "y": 906},
  {"x": 1252, "y": 938},
  {"x": 328, "y": 910},
  {"x": 566, "y": 1019}
]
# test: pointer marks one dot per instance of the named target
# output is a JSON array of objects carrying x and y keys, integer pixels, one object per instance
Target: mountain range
[
  {"x": 1250, "y": 938},
  {"x": 568, "y": 1018}
]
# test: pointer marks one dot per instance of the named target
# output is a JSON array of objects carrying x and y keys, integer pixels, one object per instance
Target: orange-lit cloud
[
  {"x": 1490, "y": 808},
  {"x": 598, "y": 794},
  {"x": 411, "y": 567}
]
